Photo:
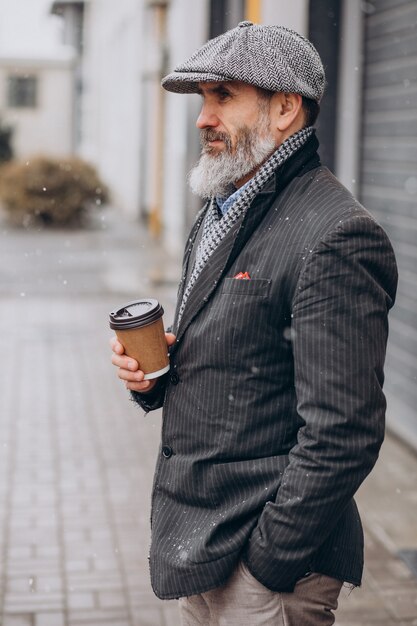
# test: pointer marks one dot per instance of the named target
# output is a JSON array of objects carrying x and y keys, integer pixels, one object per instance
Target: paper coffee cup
[{"x": 139, "y": 328}]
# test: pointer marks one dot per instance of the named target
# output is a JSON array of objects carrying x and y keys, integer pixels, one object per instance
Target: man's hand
[{"x": 129, "y": 368}]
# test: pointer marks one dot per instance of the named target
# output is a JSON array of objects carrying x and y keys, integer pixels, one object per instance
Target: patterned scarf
[{"x": 215, "y": 227}]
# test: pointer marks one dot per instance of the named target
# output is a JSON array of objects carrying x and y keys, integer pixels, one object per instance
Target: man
[{"x": 273, "y": 408}]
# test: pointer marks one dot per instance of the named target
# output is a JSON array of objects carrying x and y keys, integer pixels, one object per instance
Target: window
[{"x": 22, "y": 91}]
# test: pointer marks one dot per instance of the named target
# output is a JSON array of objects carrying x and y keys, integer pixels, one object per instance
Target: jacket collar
[{"x": 232, "y": 244}]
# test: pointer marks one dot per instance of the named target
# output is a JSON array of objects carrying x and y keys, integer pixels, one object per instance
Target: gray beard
[{"x": 216, "y": 172}]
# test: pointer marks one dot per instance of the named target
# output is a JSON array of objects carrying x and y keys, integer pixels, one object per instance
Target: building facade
[
  {"x": 36, "y": 99},
  {"x": 144, "y": 141},
  {"x": 388, "y": 181}
]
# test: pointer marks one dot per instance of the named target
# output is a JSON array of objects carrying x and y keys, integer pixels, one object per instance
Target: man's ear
[{"x": 286, "y": 109}]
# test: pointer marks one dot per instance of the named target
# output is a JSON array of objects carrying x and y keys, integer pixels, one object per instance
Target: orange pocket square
[{"x": 243, "y": 275}]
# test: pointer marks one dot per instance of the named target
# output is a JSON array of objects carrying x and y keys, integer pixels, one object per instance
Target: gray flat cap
[{"x": 271, "y": 57}]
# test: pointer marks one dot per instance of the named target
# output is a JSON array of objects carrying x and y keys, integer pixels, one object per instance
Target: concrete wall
[
  {"x": 293, "y": 14},
  {"x": 181, "y": 135},
  {"x": 46, "y": 128},
  {"x": 111, "y": 102}
]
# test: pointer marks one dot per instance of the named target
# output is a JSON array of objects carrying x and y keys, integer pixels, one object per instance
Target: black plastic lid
[{"x": 136, "y": 314}]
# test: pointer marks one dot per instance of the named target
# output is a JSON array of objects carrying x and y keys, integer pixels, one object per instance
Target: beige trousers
[{"x": 243, "y": 601}]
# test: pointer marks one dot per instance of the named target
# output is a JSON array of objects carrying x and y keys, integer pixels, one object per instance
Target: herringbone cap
[{"x": 272, "y": 57}]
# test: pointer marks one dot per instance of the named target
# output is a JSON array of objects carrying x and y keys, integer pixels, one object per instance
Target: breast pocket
[
  {"x": 243, "y": 312},
  {"x": 239, "y": 311},
  {"x": 256, "y": 287}
]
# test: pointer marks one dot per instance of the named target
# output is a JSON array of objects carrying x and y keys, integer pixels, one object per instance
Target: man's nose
[{"x": 207, "y": 118}]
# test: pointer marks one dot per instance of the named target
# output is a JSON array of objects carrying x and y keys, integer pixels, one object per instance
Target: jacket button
[
  {"x": 174, "y": 378},
  {"x": 167, "y": 451}
]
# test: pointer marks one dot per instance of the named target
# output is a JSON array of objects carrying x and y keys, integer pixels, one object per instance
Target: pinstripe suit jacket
[{"x": 273, "y": 409}]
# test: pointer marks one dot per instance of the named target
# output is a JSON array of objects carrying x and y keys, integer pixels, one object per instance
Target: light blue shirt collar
[{"x": 224, "y": 204}]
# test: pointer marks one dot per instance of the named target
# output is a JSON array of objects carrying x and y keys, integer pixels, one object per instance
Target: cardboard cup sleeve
[{"x": 148, "y": 346}]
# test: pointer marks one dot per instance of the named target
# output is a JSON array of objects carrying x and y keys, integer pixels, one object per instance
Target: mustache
[{"x": 208, "y": 134}]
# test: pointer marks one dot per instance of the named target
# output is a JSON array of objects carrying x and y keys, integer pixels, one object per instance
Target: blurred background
[
  {"x": 95, "y": 210},
  {"x": 82, "y": 78}
]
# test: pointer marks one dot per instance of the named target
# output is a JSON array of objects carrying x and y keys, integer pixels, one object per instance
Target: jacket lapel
[
  {"x": 235, "y": 240},
  {"x": 186, "y": 261},
  {"x": 223, "y": 257}
]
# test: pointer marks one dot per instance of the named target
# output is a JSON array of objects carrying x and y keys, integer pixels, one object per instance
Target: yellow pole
[
  {"x": 253, "y": 11},
  {"x": 155, "y": 213}
]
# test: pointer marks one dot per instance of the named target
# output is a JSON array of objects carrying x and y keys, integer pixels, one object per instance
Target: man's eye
[{"x": 224, "y": 94}]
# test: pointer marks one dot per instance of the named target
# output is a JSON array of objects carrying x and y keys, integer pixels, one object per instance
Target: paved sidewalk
[{"x": 77, "y": 457}]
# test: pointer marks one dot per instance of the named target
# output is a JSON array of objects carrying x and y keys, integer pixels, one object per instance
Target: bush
[{"x": 50, "y": 191}]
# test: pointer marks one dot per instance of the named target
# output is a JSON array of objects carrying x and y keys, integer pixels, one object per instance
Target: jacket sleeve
[
  {"x": 154, "y": 399},
  {"x": 339, "y": 330}
]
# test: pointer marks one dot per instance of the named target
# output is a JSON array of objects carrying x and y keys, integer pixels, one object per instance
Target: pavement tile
[
  {"x": 102, "y": 622},
  {"x": 102, "y": 536},
  {"x": 40, "y": 515},
  {"x": 140, "y": 597},
  {"x": 80, "y": 550},
  {"x": 113, "y": 598},
  {"x": 359, "y": 603},
  {"x": 105, "y": 564},
  {"x": 81, "y": 600},
  {"x": 369, "y": 621},
  {"x": 20, "y": 552},
  {"x": 401, "y": 603},
  {"x": 49, "y": 619},
  {"x": 148, "y": 617},
  {"x": 77, "y": 565},
  {"x": 94, "y": 581},
  {"x": 99, "y": 616},
  {"x": 48, "y": 551},
  {"x": 20, "y": 584},
  {"x": 18, "y": 620},
  {"x": 47, "y": 566},
  {"x": 33, "y": 602},
  {"x": 45, "y": 521},
  {"x": 46, "y": 584},
  {"x": 76, "y": 536},
  {"x": 171, "y": 614},
  {"x": 33, "y": 536},
  {"x": 391, "y": 575}
]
